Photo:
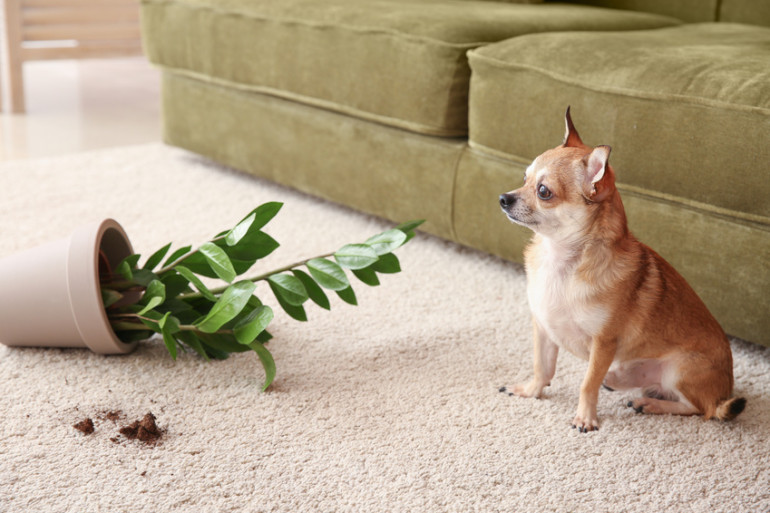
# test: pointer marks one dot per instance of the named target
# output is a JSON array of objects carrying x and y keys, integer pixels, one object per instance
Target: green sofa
[{"x": 432, "y": 108}]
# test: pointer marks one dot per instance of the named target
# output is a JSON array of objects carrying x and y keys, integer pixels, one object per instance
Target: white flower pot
[{"x": 50, "y": 295}]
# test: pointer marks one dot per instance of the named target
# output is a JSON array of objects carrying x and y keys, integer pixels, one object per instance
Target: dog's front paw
[
  {"x": 531, "y": 389},
  {"x": 585, "y": 423}
]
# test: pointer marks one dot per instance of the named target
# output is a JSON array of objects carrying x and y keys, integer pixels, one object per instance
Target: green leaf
[
  {"x": 126, "y": 266},
  {"x": 328, "y": 274},
  {"x": 295, "y": 312},
  {"x": 216, "y": 354},
  {"x": 170, "y": 343},
  {"x": 156, "y": 257},
  {"x": 155, "y": 301},
  {"x": 387, "y": 241},
  {"x": 110, "y": 297},
  {"x": 154, "y": 295},
  {"x": 131, "y": 260},
  {"x": 409, "y": 227},
  {"x": 387, "y": 264},
  {"x": 229, "y": 305},
  {"x": 267, "y": 363},
  {"x": 313, "y": 290},
  {"x": 251, "y": 247},
  {"x": 198, "y": 264},
  {"x": 189, "y": 338},
  {"x": 182, "y": 310},
  {"x": 241, "y": 229},
  {"x": 222, "y": 343},
  {"x": 190, "y": 276},
  {"x": 218, "y": 261},
  {"x": 253, "y": 221},
  {"x": 348, "y": 296},
  {"x": 176, "y": 255},
  {"x": 155, "y": 288},
  {"x": 143, "y": 277},
  {"x": 169, "y": 323},
  {"x": 150, "y": 319},
  {"x": 129, "y": 336},
  {"x": 246, "y": 330},
  {"x": 167, "y": 328},
  {"x": 367, "y": 276},
  {"x": 288, "y": 288},
  {"x": 264, "y": 213},
  {"x": 356, "y": 256},
  {"x": 175, "y": 284}
]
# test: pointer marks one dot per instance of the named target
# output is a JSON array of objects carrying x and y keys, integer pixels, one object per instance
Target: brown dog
[{"x": 602, "y": 295}]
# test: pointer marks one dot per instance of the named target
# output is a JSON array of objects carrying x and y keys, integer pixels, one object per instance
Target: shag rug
[{"x": 393, "y": 405}]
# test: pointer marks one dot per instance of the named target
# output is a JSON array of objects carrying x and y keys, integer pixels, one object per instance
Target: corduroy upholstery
[{"x": 398, "y": 62}]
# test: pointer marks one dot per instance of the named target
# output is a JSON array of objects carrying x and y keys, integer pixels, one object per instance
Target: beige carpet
[{"x": 389, "y": 406}]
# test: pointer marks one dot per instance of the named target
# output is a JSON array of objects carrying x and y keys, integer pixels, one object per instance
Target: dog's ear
[
  {"x": 599, "y": 177},
  {"x": 597, "y": 163},
  {"x": 571, "y": 137}
]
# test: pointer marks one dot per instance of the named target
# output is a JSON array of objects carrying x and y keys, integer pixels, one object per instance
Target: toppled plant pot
[
  {"x": 51, "y": 294},
  {"x": 89, "y": 290}
]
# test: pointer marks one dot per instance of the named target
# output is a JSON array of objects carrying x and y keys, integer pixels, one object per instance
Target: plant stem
[
  {"x": 220, "y": 290},
  {"x": 137, "y": 326},
  {"x": 129, "y": 326}
]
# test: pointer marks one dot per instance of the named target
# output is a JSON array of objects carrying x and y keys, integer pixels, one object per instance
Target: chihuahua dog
[{"x": 597, "y": 292}]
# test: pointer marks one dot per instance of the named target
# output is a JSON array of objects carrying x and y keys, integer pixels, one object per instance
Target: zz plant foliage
[{"x": 169, "y": 297}]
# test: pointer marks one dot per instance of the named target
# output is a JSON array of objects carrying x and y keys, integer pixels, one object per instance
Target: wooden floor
[{"x": 74, "y": 106}]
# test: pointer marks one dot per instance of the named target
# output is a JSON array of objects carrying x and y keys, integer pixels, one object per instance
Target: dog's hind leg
[
  {"x": 662, "y": 406},
  {"x": 645, "y": 373}
]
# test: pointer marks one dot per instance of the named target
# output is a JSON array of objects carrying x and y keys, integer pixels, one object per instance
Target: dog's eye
[{"x": 543, "y": 192}]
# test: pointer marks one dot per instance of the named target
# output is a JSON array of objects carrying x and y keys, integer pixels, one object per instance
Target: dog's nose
[{"x": 506, "y": 200}]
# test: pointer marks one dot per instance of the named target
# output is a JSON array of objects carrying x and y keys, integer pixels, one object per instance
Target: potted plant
[
  {"x": 50, "y": 294},
  {"x": 95, "y": 294}
]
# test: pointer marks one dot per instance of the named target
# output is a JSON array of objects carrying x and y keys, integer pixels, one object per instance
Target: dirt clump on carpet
[
  {"x": 145, "y": 430},
  {"x": 85, "y": 426}
]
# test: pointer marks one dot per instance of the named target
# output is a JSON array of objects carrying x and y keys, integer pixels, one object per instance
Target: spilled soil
[
  {"x": 85, "y": 426},
  {"x": 145, "y": 430}
]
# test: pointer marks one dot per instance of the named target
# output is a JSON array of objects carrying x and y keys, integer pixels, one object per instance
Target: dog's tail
[{"x": 731, "y": 408}]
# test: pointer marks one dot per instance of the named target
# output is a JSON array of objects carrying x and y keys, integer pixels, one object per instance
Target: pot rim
[{"x": 84, "y": 287}]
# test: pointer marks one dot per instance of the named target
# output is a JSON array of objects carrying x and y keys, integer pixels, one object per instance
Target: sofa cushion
[
  {"x": 692, "y": 11},
  {"x": 400, "y": 62},
  {"x": 754, "y": 12},
  {"x": 686, "y": 109}
]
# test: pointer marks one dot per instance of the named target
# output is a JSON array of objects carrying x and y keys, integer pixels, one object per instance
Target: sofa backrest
[
  {"x": 755, "y": 12},
  {"x": 691, "y": 11}
]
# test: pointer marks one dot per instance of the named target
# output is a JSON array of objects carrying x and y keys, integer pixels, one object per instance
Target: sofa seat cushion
[
  {"x": 399, "y": 62},
  {"x": 686, "y": 109}
]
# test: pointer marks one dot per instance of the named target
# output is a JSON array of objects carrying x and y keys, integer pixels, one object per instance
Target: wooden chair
[{"x": 64, "y": 29}]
